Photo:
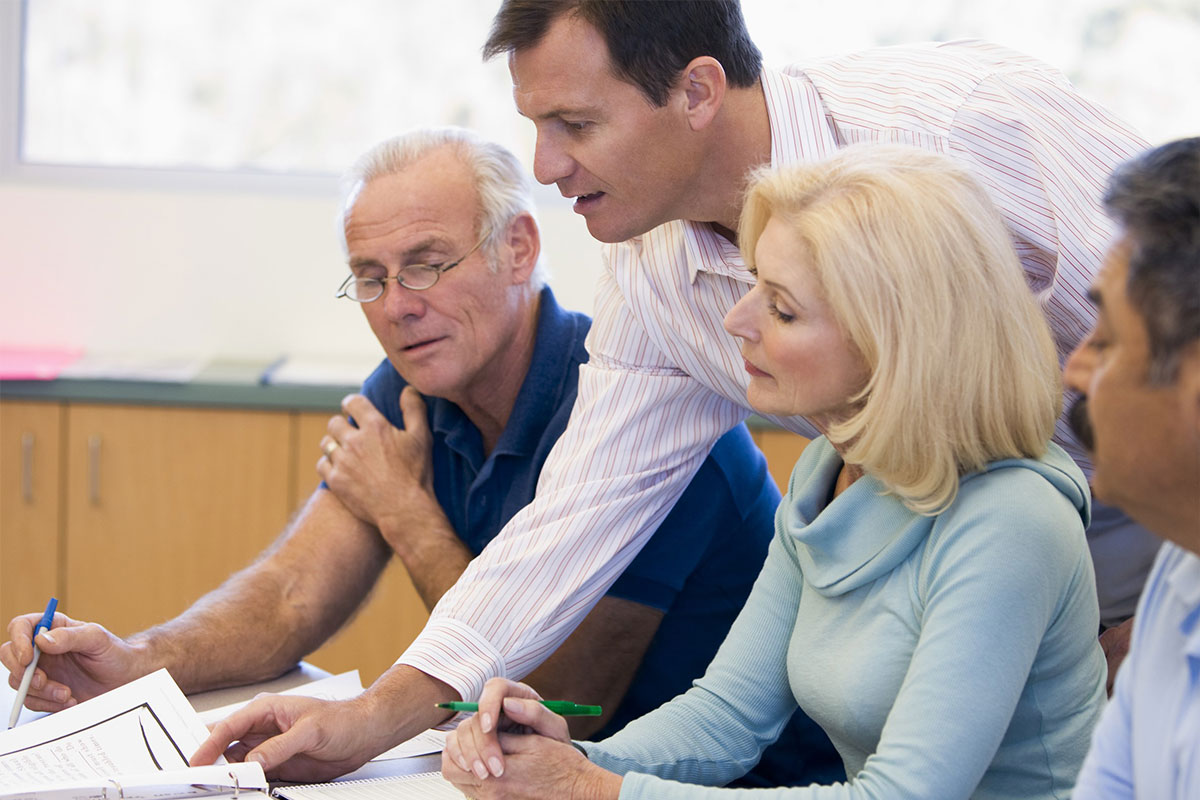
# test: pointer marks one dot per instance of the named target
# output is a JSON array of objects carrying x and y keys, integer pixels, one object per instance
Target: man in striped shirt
[{"x": 652, "y": 114}]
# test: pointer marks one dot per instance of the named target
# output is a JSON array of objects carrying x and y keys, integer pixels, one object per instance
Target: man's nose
[
  {"x": 1077, "y": 372},
  {"x": 551, "y": 162},
  {"x": 400, "y": 302}
]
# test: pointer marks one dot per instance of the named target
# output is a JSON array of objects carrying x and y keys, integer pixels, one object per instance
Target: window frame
[{"x": 13, "y": 168}]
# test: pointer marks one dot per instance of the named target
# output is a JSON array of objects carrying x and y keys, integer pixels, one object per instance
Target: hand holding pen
[
  {"x": 78, "y": 660},
  {"x": 44, "y": 625}
]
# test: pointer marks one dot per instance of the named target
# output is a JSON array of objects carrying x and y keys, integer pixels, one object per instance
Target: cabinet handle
[
  {"x": 94, "y": 469},
  {"x": 27, "y": 467}
]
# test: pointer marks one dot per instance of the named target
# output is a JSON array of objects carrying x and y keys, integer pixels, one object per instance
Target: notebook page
[{"x": 422, "y": 786}]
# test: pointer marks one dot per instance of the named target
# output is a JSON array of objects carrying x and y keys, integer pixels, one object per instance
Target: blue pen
[{"x": 44, "y": 625}]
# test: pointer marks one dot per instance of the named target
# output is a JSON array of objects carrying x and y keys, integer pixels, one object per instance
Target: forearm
[
  {"x": 268, "y": 616},
  {"x": 247, "y": 630},
  {"x": 429, "y": 548}
]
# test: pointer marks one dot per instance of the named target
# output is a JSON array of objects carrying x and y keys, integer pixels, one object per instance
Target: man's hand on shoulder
[
  {"x": 377, "y": 470},
  {"x": 79, "y": 661}
]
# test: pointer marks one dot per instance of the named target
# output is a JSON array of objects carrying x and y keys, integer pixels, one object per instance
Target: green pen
[{"x": 563, "y": 708}]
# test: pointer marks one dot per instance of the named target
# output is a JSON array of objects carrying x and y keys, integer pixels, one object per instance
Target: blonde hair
[{"x": 917, "y": 267}]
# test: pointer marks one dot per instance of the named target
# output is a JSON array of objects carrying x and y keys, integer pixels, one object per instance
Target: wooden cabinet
[
  {"x": 30, "y": 507},
  {"x": 782, "y": 449},
  {"x": 162, "y": 504}
]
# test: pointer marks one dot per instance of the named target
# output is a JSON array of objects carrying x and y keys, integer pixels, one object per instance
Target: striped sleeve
[{"x": 603, "y": 491}]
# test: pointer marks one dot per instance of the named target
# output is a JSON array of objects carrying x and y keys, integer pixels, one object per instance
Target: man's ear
[
  {"x": 703, "y": 85},
  {"x": 524, "y": 245}
]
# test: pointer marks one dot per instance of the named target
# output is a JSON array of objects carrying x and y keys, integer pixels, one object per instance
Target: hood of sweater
[{"x": 865, "y": 532}]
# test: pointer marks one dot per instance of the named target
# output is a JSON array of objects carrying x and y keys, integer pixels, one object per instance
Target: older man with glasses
[{"x": 443, "y": 446}]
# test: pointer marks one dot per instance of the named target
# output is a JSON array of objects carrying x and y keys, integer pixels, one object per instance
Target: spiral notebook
[{"x": 400, "y": 787}]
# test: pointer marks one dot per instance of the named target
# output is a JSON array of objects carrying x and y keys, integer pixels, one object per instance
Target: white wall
[{"x": 209, "y": 273}]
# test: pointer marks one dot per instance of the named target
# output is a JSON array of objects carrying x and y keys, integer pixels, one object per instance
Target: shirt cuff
[{"x": 456, "y": 654}]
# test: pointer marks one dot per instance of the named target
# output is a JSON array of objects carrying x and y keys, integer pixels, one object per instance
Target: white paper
[
  {"x": 217, "y": 780},
  {"x": 326, "y": 371},
  {"x": 422, "y": 744},
  {"x": 135, "y": 367},
  {"x": 425, "y": 785},
  {"x": 144, "y": 726},
  {"x": 335, "y": 687}
]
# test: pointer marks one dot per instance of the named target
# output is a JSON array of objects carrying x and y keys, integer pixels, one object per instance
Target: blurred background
[{"x": 168, "y": 168}]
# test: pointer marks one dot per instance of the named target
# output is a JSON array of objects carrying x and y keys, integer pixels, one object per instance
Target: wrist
[
  {"x": 403, "y": 702},
  {"x": 598, "y": 784},
  {"x": 144, "y": 654}
]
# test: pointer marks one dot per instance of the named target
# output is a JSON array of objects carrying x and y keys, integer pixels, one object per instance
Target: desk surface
[{"x": 202, "y": 701}]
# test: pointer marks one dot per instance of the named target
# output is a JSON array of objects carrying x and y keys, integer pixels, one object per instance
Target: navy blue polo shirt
[{"x": 697, "y": 568}]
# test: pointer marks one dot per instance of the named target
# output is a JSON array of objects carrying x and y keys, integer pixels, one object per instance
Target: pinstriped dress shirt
[{"x": 665, "y": 380}]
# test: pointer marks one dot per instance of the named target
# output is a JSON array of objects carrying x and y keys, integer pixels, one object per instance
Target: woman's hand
[
  {"x": 474, "y": 746},
  {"x": 540, "y": 762}
]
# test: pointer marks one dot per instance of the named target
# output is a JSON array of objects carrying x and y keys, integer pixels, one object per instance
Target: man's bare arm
[
  {"x": 597, "y": 662},
  {"x": 384, "y": 475},
  {"x": 256, "y": 625}
]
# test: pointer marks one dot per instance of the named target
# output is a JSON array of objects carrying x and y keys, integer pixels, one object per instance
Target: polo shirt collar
[
  {"x": 537, "y": 399},
  {"x": 800, "y": 131}
]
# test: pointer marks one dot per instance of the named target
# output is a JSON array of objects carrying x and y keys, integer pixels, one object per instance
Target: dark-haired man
[
  {"x": 651, "y": 114},
  {"x": 1139, "y": 375}
]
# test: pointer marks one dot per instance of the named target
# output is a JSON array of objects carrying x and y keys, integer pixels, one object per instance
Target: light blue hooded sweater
[{"x": 952, "y": 656}]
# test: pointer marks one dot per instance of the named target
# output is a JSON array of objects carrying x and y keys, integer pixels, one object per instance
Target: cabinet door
[
  {"x": 393, "y": 613},
  {"x": 164, "y": 503},
  {"x": 782, "y": 449},
  {"x": 30, "y": 460}
]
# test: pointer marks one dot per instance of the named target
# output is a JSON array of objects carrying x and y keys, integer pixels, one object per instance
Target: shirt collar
[
  {"x": 559, "y": 335},
  {"x": 800, "y": 131},
  {"x": 1183, "y": 578}
]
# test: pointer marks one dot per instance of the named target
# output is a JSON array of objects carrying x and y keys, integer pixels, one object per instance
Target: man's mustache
[{"x": 1081, "y": 423}]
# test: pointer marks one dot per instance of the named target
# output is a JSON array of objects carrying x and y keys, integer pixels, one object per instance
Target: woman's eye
[{"x": 778, "y": 314}]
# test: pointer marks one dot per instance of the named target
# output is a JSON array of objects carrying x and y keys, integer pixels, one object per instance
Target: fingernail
[
  {"x": 480, "y": 770},
  {"x": 46, "y": 635},
  {"x": 255, "y": 757},
  {"x": 485, "y": 722},
  {"x": 60, "y": 695},
  {"x": 512, "y": 704},
  {"x": 462, "y": 764},
  {"x": 497, "y": 767}
]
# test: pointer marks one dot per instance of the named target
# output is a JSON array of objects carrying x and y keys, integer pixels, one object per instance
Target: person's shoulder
[
  {"x": 1038, "y": 507},
  {"x": 384, "y": 378},
  {"x": 959, "y": 63},
  {"x": 561, "y": 330},
  {"x": 382, "y": 387},
  {"x": 736, "y": 463}
]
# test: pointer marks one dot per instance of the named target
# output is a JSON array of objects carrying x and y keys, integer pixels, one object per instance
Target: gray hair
[
  {"x": 1155, "y": 197},
  {"x": 504, "y": 188}
]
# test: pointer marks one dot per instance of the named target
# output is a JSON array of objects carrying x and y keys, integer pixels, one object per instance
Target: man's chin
[
  {"x": 1081, "y": 424},
  {"x": 602, "y": 233}
]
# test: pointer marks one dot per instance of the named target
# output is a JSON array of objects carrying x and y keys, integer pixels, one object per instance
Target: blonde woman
[{"x": 928, "y": 598}]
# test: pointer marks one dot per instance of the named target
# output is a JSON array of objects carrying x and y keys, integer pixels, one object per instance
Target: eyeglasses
[{"x": 417, "y": 277}]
